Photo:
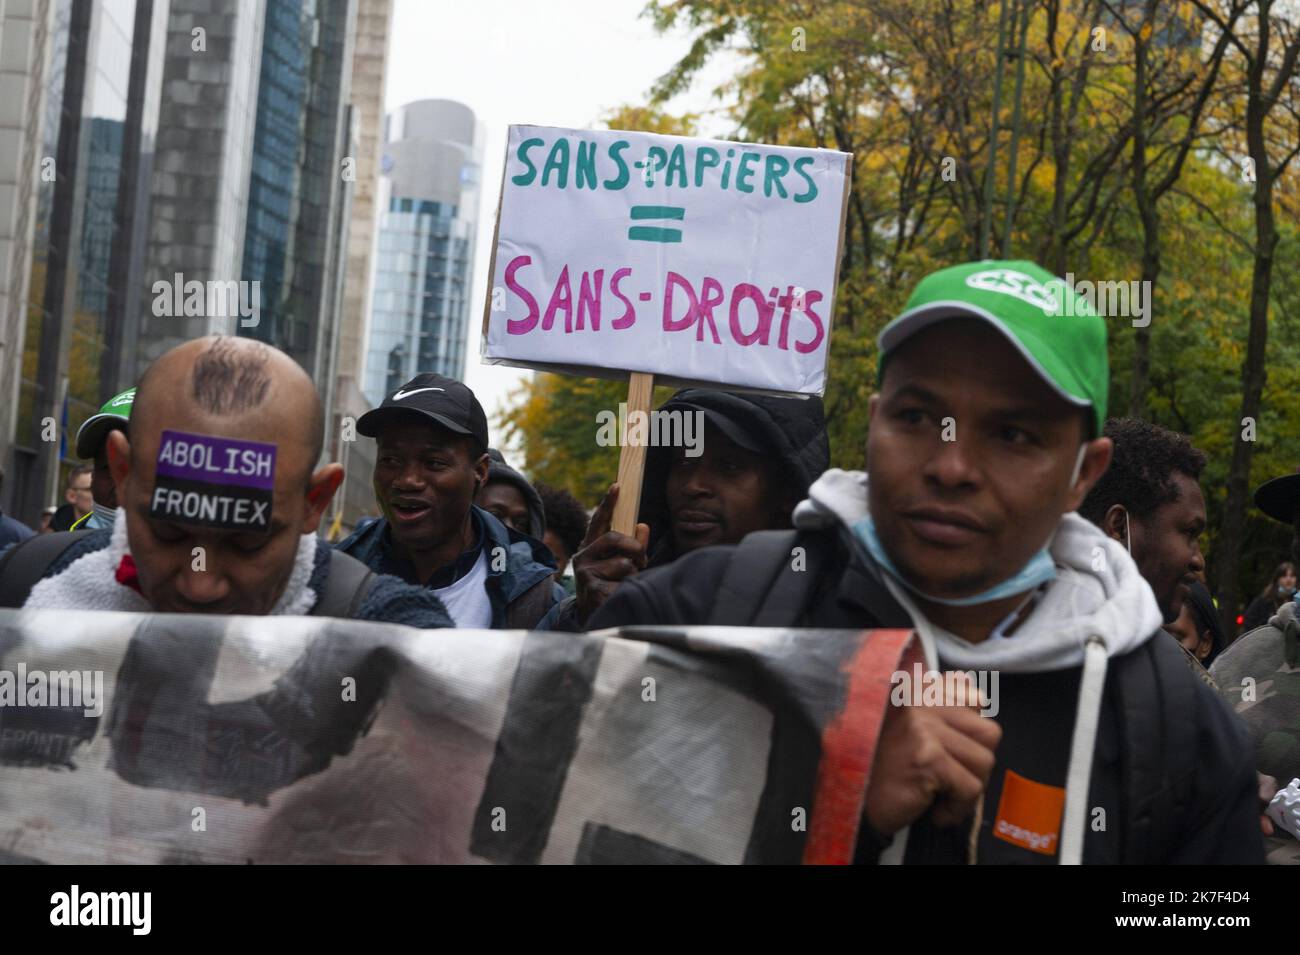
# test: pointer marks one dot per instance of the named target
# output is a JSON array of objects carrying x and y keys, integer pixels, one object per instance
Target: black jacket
[
  {"x": 520, "y": 592},
  {"x": 1259, "y": 613},
  {"x": 792, "y": 430},
  {"x": 1173, "y": 769}
]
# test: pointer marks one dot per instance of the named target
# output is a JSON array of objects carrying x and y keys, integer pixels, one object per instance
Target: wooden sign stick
[{"x": 631, "y": 463}]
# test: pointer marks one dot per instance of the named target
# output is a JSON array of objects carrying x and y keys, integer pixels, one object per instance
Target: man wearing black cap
[
  {"x": 431, "y": 459},
  {"x": 757, "y": 456}
]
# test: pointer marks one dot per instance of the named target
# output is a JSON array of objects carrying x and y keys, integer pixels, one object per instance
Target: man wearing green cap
[
  {"x": 985, "y": 436},
  {"x": 92, "y": 444}
]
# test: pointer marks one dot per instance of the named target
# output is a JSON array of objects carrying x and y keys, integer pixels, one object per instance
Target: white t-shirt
[{"x": 467, "y": 599}]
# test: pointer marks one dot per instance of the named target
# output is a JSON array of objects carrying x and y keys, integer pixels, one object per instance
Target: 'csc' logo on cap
[{"x": 1022, "y": 286}]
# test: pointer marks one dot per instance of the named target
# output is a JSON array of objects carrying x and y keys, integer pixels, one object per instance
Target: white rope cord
[{"x": 1079, "y": 776}]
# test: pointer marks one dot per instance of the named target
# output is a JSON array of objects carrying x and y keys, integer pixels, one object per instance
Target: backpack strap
[
  {"x": 528, "y": 608},
  {"x": 346, "y": 586},
  {"x": 27, "y": 561},
  {"x": 1157, "y": 707},
  {"x": 767, "y": 582}
]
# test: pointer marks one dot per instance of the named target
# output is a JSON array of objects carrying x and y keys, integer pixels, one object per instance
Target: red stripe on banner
[{"x": 849, "y": 745}]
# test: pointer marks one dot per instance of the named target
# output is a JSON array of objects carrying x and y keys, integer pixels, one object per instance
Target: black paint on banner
[
  {"x": 165, "y": 735},
  {"x": 605, "y": 845},
  {"x": 549, "y": 694},
  {"x": 804, "y": 693},
  {"x": 15, "y": 858}
]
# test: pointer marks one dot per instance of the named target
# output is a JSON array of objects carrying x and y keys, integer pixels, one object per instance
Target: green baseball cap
[
  {"x": 1056, "y": 330},
  {"x": 112, "y": 416}
]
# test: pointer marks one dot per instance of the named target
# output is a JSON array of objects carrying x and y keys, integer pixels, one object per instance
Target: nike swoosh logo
[{"x": 399, "y": 395}]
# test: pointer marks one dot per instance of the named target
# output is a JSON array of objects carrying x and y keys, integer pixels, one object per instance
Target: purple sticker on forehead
[
  {"x": 213, "y": 460},
  {"x": 215, "y": 482}
]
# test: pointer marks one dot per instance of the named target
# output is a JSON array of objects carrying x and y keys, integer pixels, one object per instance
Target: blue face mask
[
  {"x": 106, "y": 515},
  {"x": 1038, "y": 570}
]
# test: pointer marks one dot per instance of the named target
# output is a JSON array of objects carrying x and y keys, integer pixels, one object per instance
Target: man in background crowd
[
  {"x": 566, "y": 525},
  {"x": 1280, "y": 588},
  {"x": 507, "y": 496},
  {"x": 78, "y": 497},
  {"x": 92, "y": 445},
  {"x": 1198, "y": 631},
  {"x": 1151, "y": 502}
]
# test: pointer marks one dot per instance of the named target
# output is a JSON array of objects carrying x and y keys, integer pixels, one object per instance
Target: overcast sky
[{"x": 546, "y": 62}]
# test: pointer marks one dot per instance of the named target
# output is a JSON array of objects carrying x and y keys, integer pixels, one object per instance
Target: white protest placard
[{"x": 695, "y": 260}]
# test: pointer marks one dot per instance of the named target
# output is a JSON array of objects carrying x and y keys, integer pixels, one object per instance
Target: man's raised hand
[{"x": 606, "y": 557}]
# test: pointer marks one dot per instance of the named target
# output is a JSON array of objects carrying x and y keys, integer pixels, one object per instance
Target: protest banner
[
  {"x": 208, "y": 739},
  {"x": 665, "y": 258}
]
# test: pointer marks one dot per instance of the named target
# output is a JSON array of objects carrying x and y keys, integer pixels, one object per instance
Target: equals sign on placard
[{"x": 646, "y": 233}]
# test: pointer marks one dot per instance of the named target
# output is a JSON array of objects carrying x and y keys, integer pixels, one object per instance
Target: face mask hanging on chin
[{"x": 1038, "y": 570}]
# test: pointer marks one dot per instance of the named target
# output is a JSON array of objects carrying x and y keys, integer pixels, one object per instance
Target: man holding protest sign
[
  {"x": 985, "y": 436},
  {"x": 753, "y": 461},
  {"x": 219, "y": 500}
]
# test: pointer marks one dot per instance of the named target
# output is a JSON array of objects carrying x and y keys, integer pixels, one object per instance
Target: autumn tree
[{"x": 1261, "y": 114}]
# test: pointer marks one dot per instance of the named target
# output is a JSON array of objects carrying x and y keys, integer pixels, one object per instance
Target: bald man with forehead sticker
[{"x": 220, "y": 497}]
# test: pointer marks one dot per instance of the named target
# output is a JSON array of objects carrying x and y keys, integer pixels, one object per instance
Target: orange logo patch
[{"x": 1029, "y": 814}]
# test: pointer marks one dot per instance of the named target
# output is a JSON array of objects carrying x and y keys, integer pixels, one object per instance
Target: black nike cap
[{"x": 444, "y": 401}]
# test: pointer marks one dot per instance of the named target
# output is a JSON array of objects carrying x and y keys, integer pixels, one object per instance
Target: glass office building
[
  {"x": 199, "y": 138},
  {"x": 422, "y": 277},
  {"x": 291, "y": 241},
  {"x": 420, "y": 311},
  {"x": 85, "y": 233}
]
